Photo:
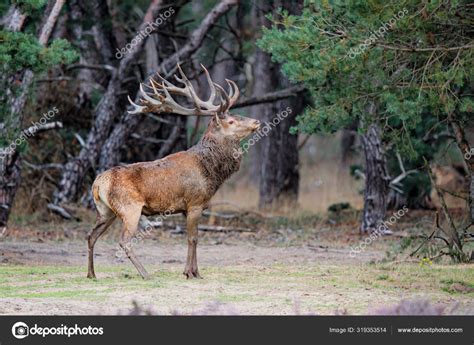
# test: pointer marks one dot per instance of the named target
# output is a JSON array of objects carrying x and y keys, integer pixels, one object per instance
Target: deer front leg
[{"x": 192, "y": 218}]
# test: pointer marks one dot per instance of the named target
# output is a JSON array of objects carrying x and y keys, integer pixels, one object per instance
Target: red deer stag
[{"x": 182, "y": 182}]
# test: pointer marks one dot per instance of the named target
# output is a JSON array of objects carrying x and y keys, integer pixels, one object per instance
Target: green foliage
[
  {"x": 28, "y": 6},
  {"x": 23, "y": 51},
  {"x": 347, "y": 54}
]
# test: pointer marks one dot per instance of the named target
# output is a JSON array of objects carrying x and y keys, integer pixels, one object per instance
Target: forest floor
[{"x": 291, "y": 274}]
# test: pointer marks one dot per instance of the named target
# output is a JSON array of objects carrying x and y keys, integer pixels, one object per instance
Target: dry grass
[{"x": 324, "y": 288}]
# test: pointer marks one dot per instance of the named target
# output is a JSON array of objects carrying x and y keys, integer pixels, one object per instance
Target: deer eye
[{"x": 230, "y": 122}]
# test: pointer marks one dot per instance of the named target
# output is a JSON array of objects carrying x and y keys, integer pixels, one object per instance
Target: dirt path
[
  {"x": 49, "y": 278},
  {"x": 154, "y": 252}
]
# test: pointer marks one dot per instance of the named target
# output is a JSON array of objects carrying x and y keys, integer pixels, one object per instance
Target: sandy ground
[{"x": 49, "y": 278}]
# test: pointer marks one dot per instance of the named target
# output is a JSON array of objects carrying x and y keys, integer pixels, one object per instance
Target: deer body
[
  {"x": 182, "y": 182},
  {"x": 174, "y": 183}
]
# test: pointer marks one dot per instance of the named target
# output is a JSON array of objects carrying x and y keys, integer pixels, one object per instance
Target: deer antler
[{"x": 161, "y": 100}]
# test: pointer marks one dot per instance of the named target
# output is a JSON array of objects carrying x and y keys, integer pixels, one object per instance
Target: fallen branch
[
  {"x": 220, "y": 215},
  {"x": 242, "y": 210},
  {"x": 217, "y": 228},
  {"x": 202, "y": 227},
  {"x": 32, "y": 130},
  {"x": 62, "y": 212}
]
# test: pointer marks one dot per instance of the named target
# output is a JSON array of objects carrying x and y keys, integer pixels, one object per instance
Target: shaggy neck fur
[{"x": 217, "y": 160}]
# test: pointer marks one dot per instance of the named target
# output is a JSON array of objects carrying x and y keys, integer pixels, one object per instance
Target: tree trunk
[
  {"x": 75, "y": 170},
  {"x": 88, "y": 55},
  {"x": 376, "y": 179},
  {"x": 10, "y": 176},
  {"x": 275, "y": 157},
  {"x": 110, "y": 154},
  {"x": 279, "y": 175},
  {"x": 13, "y": 20},
  {"x": 10, "y": 169},
  {"x": 262, "y": 79}
]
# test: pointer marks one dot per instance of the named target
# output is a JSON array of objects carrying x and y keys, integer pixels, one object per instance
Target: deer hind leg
[
  {"x": 191, "y": 268},
  {"x": 105, "y": 218},
  {"x": 130, "y": 219}
]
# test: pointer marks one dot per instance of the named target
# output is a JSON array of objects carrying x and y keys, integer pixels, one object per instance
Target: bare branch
[
  {"x": 148, "y": 140},
  {"x": 197, "y": 36},
  {"x": 43, "y": 166},
  {"x": 89, "y": 66},
  {"x": 32, "y": 130},
  {"x": 271, "y": 96}
]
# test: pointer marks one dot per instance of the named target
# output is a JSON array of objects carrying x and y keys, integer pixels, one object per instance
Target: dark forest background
[{"x": 381, "y": 118}]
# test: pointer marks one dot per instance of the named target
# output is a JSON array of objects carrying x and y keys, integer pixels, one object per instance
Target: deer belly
[{"x": 163, "y": 207}]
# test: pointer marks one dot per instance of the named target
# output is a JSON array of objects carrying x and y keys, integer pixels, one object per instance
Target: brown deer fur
[{"x": 182, "y": 182}]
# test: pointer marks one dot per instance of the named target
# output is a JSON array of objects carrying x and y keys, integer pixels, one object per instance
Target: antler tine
[
  {"x": 148, "y": 98},
  {"x": 208, "y": 105},
  {"x": 138, "y": 108},
  {"x": 236, "y": 92},
  {"x": 183, "y": 78},
  {"x": 192, "y": 93},
  {"x": 212, "y": 96},
  {"x": 155, "y": 84},
  {"x": 164, "y": 80},
  {"x": 175, "y": 107},
  {"x": 156, "y": 96},
  {"x": 225, "y": 105}
]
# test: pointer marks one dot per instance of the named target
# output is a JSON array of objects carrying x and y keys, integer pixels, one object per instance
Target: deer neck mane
[{"x": 217, "y": 159}]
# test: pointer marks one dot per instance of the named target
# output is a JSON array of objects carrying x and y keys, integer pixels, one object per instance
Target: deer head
[{"x": 223, "y": 125}]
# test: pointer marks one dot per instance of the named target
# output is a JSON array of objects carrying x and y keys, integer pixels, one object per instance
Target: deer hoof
[{"x": 192, "y": 274}]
